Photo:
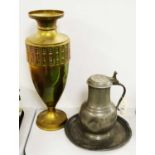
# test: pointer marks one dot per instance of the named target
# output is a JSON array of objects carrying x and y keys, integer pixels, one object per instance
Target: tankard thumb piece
[{"x": 97, "y": 125}]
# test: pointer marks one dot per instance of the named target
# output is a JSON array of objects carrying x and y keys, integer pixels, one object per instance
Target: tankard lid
[{"x": 99, "y": 81}]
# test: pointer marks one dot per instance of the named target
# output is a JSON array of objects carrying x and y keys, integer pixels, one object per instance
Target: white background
[
  {"x": 145, "y": 49},
  {"x": 102, "y": 34}
]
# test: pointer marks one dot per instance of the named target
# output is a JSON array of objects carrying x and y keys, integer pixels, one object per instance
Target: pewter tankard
[{"x": 98, "y": 115}]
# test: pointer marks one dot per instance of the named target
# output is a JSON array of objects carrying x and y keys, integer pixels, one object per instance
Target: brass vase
[{"x": 48, "y": 57}]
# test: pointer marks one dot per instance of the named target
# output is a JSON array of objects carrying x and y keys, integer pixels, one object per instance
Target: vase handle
[{"x": 116, "y": 82}]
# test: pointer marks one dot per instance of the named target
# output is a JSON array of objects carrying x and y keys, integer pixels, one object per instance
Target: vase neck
[{"x": 46, "y": 24}]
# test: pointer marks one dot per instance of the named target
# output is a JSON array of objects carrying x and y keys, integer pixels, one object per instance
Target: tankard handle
[{"x": 116, "y": 82}]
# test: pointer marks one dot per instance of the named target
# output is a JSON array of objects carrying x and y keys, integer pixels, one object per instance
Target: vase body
[{"x": 48, "y": 54}]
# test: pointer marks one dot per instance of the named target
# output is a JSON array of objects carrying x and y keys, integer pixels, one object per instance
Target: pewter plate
[{"x": 120, "y": 135}]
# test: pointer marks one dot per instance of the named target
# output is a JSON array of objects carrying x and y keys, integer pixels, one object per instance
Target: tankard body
[{"x": 99, "y": 114}]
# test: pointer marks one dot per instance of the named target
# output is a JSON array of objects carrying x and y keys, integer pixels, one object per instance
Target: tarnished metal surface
[
  {"x": 98, "y": 114},
  {"x": 115, "y": 138},
  {"x": 97, "y": 125}
]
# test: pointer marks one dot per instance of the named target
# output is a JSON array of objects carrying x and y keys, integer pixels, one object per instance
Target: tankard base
[
  {"x": 115, "y": 138},
  {"x": 51, "y": 120}
]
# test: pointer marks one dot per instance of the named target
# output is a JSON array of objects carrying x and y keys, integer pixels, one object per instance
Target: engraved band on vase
[{"x": 48, "y": 56}]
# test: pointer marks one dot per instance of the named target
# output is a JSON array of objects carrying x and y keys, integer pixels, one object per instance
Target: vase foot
[{"x": 51, "y": 120}]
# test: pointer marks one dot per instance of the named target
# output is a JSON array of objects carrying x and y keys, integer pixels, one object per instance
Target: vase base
[{"x": 51, "y": 120}]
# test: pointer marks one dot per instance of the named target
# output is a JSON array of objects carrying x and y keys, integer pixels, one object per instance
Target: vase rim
[{"x": 46, "y": 14}]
